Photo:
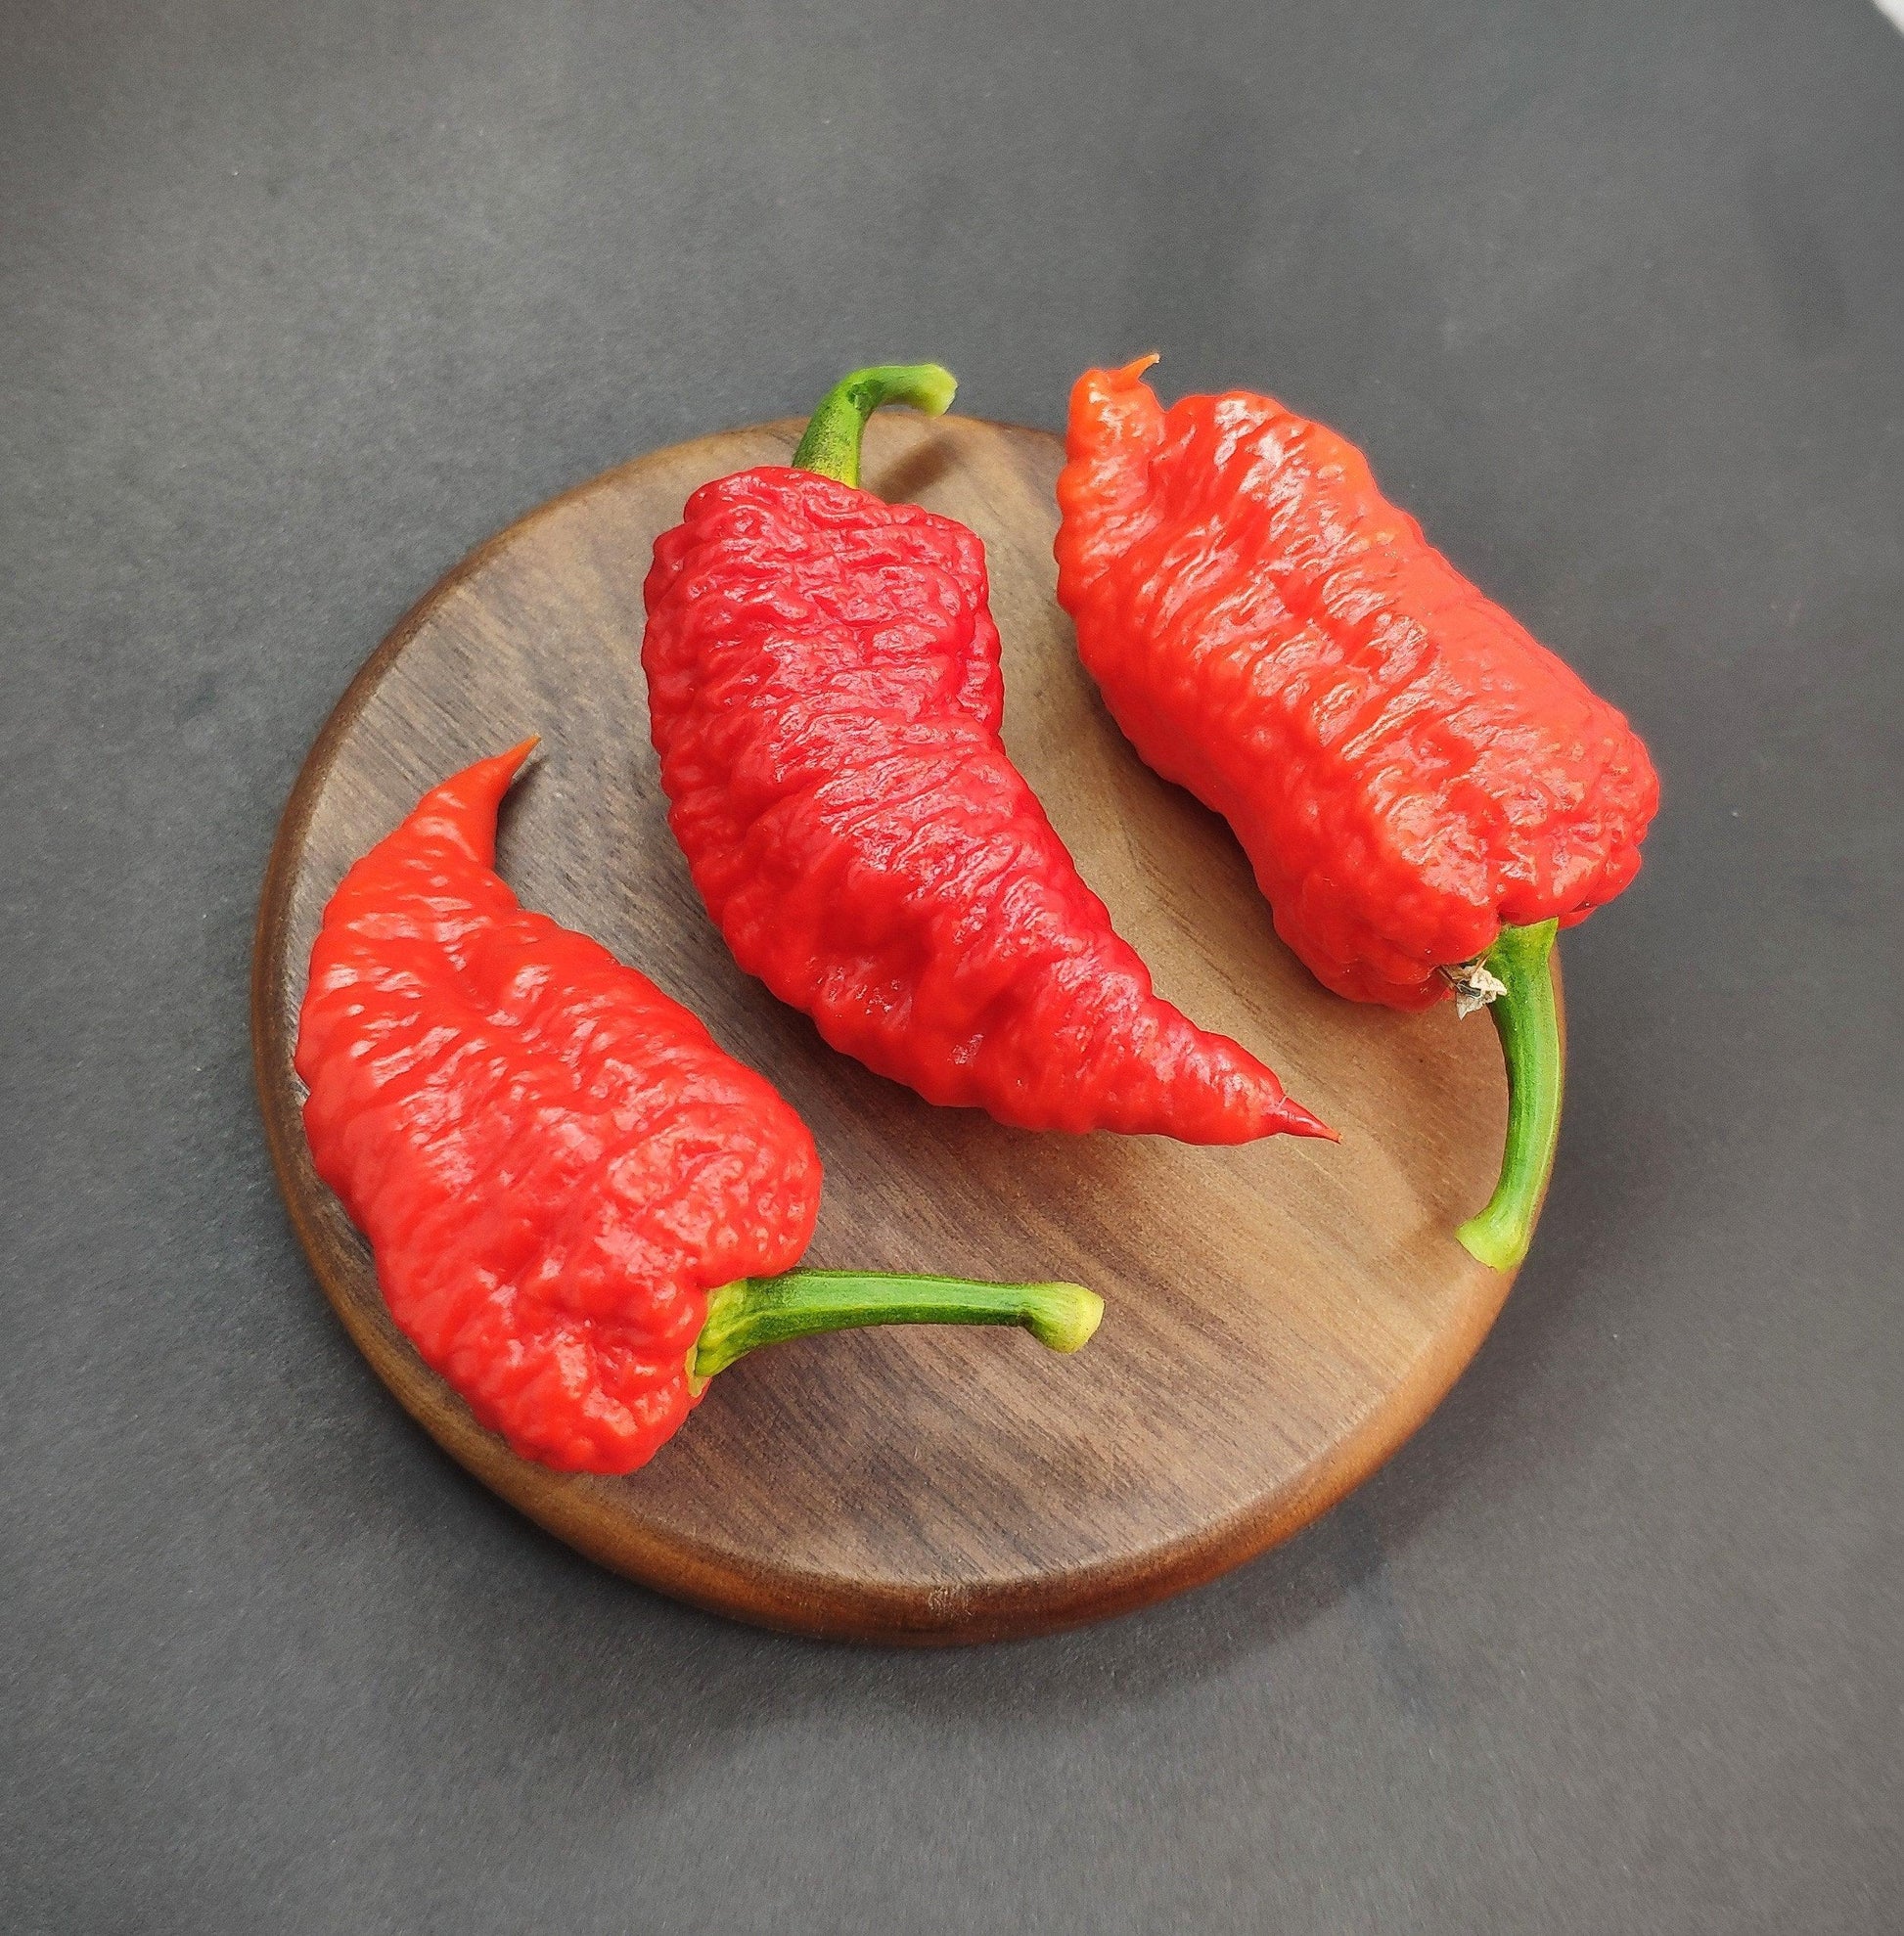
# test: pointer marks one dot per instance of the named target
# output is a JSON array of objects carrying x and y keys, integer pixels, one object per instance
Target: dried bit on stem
[{"x": 1474, "y": 984}]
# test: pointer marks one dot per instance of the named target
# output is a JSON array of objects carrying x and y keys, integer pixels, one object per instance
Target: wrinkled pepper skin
[
  {"x": 553, "y": 1161},
  {"x": 825, "y": 695},
  {"x": 1410, "y": 773}
]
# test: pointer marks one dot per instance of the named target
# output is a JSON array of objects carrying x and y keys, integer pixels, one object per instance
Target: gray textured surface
[{"x": 297, "y": 303}]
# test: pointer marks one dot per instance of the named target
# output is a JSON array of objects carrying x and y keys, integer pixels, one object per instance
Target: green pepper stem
[
  {"x": 755, "y": 1311},
  {"x": 1530, "y": 1043},
  {"x": 831, "y": 445}
]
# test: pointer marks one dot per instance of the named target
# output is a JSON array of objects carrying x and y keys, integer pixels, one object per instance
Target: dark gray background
[{"x": 301, "y": 301}]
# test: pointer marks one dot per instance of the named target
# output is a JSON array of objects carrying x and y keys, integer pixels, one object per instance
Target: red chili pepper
[
  {"x": 1424, "y": 792},
  {"x": 578, "y": 1203},
  {"x": 823, "y": 677}
]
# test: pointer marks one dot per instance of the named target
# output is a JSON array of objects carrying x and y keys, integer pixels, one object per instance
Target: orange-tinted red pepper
[
  {"x": 824, "y": 690},
  {"x": 1418, "y": 785},
  {"x": 579, "y": 1206}
]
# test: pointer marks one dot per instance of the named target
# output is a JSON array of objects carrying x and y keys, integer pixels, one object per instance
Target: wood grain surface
[{"x": 1279, "y": 1318}]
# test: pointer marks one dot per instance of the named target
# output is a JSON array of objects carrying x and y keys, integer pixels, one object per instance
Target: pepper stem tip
[{"x": 1064, "y": 1316}]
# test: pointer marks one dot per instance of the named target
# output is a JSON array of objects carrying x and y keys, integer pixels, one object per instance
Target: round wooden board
[{"x": 1278, "y": 1317}]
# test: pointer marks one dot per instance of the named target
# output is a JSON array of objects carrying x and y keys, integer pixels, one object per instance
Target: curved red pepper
[
  {"x": 1418, "y": 783},
  {"x": 578, "y": 1203},
  {"x": 824, "y": 688}
]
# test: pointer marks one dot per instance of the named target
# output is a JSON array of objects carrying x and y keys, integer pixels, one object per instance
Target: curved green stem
[
  {"x": 1529, "y": 1028},
  {"x": 831, "y": 445},
  {"x": 756, "y": 1311}
]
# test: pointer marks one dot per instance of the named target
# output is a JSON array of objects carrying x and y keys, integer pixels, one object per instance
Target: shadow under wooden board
[{"x": 1278, "y": 1317}]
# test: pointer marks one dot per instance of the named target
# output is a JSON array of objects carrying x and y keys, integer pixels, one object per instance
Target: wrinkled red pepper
[
  {"x": 1423, "y": 790},
  {"x": 580, "y": 1208},
  {"x": 824, "y": 691}
]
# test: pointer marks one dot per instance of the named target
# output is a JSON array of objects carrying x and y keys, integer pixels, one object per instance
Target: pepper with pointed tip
[
  {"x": 1421, "y": 787},
  {"x": 580, "y": 1208},
  {"x": 823, "y": 693}
]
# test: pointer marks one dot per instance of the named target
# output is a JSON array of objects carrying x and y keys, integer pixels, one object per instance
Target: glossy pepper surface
[
  {"x": 1418, "y": 785},
  {"x": 578, "y": 1203},
  {"x": 825, "y": 695}
]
